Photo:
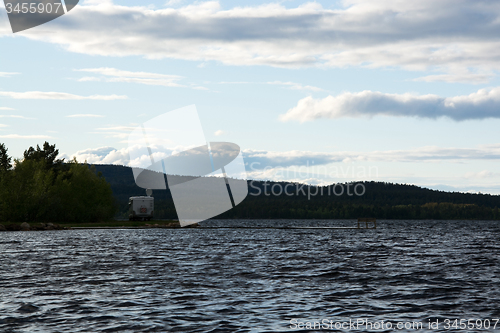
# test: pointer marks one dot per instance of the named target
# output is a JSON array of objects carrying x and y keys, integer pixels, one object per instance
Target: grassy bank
[
  {"x": 112, "y": 223},
  {"x": 117, "y": 224}
]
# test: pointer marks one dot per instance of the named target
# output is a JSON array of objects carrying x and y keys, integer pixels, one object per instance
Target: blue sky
[{"x": 340, "y": 91}]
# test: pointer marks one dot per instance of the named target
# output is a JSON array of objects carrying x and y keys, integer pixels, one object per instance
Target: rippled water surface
[{"x": 247, "y": 280}]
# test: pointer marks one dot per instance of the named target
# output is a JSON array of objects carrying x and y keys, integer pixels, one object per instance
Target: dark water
[{"x": 244, "y": 280}]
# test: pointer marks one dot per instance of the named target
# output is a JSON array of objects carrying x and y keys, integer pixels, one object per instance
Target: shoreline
[
  {"x": 168, "y": 227},
  {"x": 39, "y": 226}
]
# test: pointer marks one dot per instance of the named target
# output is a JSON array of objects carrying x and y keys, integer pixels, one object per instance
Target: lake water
[{"x": 250, "y": 280}]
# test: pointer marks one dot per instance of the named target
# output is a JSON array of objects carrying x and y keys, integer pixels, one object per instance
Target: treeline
[
  {"x": 258, "y": 209},
  {"x": 42, "y": 188},
  {"x": 379, "y": 199}
]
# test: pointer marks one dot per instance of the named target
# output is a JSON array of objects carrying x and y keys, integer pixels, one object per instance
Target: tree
[
  {"x": 48, "y": 154},
  {"x": 26, "y": 192},
  {"x": 5, "y": 166},
  {"x": 81, "y": 195},
  {"x": 5, "y": 160},
  {"x": 41, "y": 188}
]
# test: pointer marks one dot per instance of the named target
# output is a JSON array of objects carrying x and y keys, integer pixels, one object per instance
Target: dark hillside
[{"x": 380, "y": 200}]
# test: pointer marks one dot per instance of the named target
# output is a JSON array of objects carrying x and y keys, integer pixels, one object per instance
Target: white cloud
[
  {"x": 457, "y": 78},
  {"x": 57, "y": 96},
  {"x": 147, "y": 78},
  {"x": 117, "y": 75},
  {"x": 257, "y": 160},
  {"x": 18, "y": 136},
  {"x": 423, "y": 154},
  {"x": 87, "y": 115},
  {"x": 107, "y": 71},
  {"x": 424, "y": 35},
  {"x": 109, "y": 155},
  {"x": 7, "y": 74},
  {"x": 219, "y": 133},
  {"x": 6, "y": 109},
  {"x": 102, "y": 155},
  {"x": 479, "y": 105}
]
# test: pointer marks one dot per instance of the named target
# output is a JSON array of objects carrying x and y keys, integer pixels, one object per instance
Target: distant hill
[{"x": 379, "y": 200}]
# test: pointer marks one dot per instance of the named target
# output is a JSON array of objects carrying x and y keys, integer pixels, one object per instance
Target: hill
[{"x": 379, "y": 199}]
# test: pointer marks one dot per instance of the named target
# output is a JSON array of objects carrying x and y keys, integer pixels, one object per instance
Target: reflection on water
[{"x": 244, "y": 280}]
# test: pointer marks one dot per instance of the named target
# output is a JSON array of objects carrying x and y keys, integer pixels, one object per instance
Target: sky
[{"x": 314, "y": 92}]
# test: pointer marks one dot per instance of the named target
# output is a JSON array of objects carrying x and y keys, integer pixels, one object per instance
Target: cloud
[
  {"x": 219, "y": 133},
  {"x": 424, "y": 35},
  {"x": 58, "y": 96},
  {"x": 484, "y": 103},
  {"x": 7, "y": 74},
  {"x": 87, "y": 115},
  {"x": 18, "y": 136},
  {"x": 457, "y": 78},
  {"x": 107, "y": 71},
  {"x": 117, "y": 75},
  {"x": 264, "y": 159},
  {"x": 109, "y": 155},
  {"x": 261, "y": 159},
  {"x": 102, "y": 155},
  {"x": 6, "y": 109}
]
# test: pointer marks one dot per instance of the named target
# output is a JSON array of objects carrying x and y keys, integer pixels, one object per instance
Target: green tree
[
  {"x": 5, "y": 159},
  {"x": 48, "y": 154},
  {"x": 5, "y": 167},
  {"x": 81, "y": 195},
  {"x": 26, "y": 192},
  {"x": 41, "y": 188}
]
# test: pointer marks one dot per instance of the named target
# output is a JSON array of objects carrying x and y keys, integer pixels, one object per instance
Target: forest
[
  {"x": 42, "y": 188},
  {"x": 380, "y": 200}
]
